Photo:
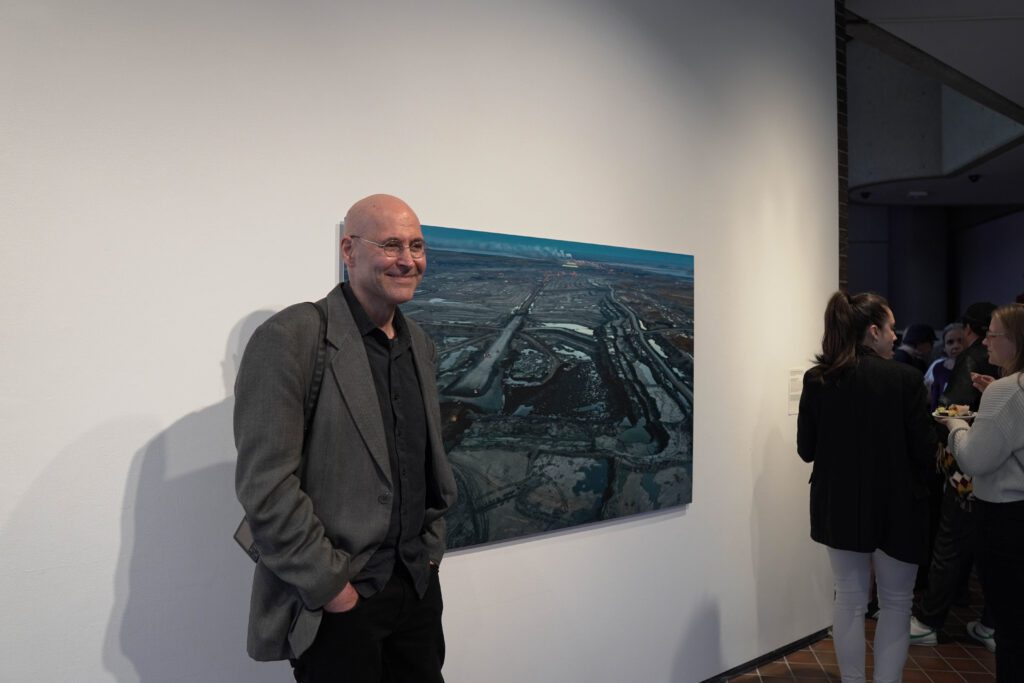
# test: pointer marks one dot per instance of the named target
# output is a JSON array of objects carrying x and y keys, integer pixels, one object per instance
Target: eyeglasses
[
  {"x": 394, "y": 248},
  {"x": 995, "y": 334}
]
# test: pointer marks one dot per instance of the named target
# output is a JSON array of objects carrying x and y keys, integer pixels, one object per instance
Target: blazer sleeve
[
  {"x": 807, "y": 421},
  {"x": 922, "y": 437},
  {"x": 268, "y": 421}
]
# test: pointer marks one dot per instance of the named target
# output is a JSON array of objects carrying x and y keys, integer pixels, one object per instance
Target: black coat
[
  {"x": 960, "y": 388},
  {"x": 868, "y": 432}
]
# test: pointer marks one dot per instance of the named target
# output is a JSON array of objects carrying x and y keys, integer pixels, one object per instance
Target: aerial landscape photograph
[{"x": 565, "y": 373}]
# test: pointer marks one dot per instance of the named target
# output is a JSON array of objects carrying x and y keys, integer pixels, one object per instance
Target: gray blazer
[{"x": 317, "y": 520}]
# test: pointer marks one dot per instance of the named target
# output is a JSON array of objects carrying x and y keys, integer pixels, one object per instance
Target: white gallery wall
[{"x": 170, "y": 173}]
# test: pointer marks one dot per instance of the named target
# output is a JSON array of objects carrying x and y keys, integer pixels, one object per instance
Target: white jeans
[{"x": 895, "y": 579}]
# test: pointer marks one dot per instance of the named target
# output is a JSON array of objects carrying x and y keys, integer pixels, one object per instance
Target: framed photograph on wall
[{"x": 565, "y": 373}]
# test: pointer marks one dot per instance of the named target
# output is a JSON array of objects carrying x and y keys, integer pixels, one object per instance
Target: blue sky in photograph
[{"x": 539, "y": 248}]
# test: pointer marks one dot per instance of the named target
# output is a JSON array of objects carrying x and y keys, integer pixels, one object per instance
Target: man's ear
[{"x": 346, "y": 250}]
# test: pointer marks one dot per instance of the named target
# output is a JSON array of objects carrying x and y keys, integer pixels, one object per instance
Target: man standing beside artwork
[{"x": 347, "y": 509}]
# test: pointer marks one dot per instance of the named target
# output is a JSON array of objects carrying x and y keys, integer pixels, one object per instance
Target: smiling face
[
  {"x": 381, "y": 282},
  {"x": 1002, "y": 350},
  {"x": 881, "y": 339}
]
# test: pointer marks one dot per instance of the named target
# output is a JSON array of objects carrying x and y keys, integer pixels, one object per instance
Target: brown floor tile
[
  {"x": 824, "y": 645},
  {"x": 978, "y": 678},
  {"x": 945, "y": 677},
  {"x": 951, "y": 650},
  {"x": 801, "y": 656},
  {"x": 962, "y": 665},
  {"x": 984, "y": 656},
  {"x": 776, "y": 679},
  {"x": 923, "y": 650},
  {"x": 911, "y": 663},
  {"x": 778, "y": 668},
  {"x": 805, "y": 671},
  {"x": 932, "y": 663},
  {"x": 915, "y": 676},
  {"x": 827, "y": 658}
]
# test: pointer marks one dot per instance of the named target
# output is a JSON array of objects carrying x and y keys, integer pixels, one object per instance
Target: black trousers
[
  {"x": 1001, "y": 536},
  {"x": 393, "y": 636},
  {"x": 953, "y": 555}
]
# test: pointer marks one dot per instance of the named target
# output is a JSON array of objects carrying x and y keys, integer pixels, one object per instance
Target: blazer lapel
[{"x": 351, "y": 371}]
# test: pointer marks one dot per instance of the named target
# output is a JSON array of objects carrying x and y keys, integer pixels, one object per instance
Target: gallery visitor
[
  {"x": 992, "y": 451},
  {"x": 936, "y": 377},
  {"x": 953, "y": 550},
  {"x": 346, "y": 492},
  {"x": 865, "y": 426},
  {"x": 915, "y": 349}
]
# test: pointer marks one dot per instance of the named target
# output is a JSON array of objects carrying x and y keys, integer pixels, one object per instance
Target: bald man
[{"x": 348, "y": 515}]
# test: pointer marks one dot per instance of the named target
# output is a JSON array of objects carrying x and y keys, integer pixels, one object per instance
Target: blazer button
[{"x": 384, "y": 498}]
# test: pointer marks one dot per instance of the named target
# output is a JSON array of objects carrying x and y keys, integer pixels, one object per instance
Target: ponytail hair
[{"x": 847, "y": 318}]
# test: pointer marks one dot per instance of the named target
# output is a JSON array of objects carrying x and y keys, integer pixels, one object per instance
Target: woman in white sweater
[{"x": 992, "y": 451}]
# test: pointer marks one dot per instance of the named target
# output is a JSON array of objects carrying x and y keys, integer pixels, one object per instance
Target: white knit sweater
[{"x": 992, "y": 450}]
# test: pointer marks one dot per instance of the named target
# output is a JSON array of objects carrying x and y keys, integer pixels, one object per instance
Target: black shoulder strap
[{"x": 318, "y": 370}]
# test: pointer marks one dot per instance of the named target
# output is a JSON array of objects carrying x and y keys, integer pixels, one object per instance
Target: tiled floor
[{"x": 957, "y": 658}]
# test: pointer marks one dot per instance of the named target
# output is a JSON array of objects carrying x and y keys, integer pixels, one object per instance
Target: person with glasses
[
  {"x": 992, "y": 451},
  {"x": 864, "y": 424},
  {"x": 347, "y": 514}
]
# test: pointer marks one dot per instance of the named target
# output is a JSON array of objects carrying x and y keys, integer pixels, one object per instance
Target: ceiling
[{"x": 977, "y": 39}]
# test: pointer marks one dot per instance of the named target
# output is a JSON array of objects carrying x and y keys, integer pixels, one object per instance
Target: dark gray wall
[
  {"x": 990, "y": 259},
  {"x": 931, "y": 262},
  {"x": 901, "y": 253}
]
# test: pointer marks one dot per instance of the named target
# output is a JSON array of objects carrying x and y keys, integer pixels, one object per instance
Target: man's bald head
[
  {"x": 380, "y": 232},
  {"x": 370, "y": 214}
]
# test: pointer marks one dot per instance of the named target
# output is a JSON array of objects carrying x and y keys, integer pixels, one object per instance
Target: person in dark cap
[
  {"x": 974, "y": 359},
  {"x": 916, "y": 348}
]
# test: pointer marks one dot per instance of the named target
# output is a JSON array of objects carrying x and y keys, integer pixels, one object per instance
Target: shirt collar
[{"x": 366, "y": 326}]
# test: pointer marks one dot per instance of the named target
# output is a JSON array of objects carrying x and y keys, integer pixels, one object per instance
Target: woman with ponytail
[{"x": 865, "y": 425}]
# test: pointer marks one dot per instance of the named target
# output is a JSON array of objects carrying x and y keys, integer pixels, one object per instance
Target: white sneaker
[
  {"x": 921, "y": 634},
  {"x": 982, "y": 633}
]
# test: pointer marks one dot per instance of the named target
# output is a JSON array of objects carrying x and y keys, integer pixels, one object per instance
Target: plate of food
[{"x": 959, "y": 412}]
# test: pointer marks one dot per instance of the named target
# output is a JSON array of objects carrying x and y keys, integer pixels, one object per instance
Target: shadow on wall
[
  {"x": 182, "y": 585},
  {"x": 776, "y": 490},
  {"x": 702, "y": 641}
]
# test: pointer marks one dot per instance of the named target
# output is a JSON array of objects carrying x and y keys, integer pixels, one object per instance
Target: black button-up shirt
[{"x": 405, "y": 427}]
